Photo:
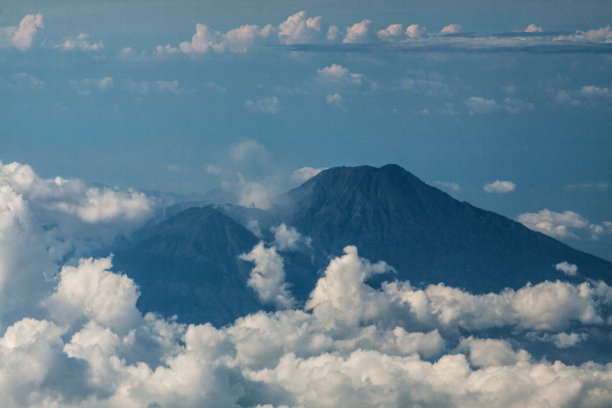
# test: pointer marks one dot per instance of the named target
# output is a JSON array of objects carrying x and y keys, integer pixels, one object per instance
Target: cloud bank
[{"x": 72, "y": 336}]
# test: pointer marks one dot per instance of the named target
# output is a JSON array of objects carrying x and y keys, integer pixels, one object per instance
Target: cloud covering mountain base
[{"x": 73, "y": 337}]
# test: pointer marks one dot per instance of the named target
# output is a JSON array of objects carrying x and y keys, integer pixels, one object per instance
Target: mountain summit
[
  {"x": 189, "y": 263},
  {"x": 425, "y": 234}
]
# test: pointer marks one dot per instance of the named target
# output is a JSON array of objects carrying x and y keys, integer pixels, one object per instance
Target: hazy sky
[{"x": 504, "y": 104}]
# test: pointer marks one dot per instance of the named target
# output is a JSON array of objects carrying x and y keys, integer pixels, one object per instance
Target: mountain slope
[
  {"x": 428, "y": 236},
  {"x": 188, "y": 265}
]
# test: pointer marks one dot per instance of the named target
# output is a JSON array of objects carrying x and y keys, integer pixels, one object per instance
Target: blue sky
[{"x": 188, "y": 96}]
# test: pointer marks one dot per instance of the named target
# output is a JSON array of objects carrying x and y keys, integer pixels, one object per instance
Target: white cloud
[
  {"x": 338, "y": 75},
  {"x": 298, "y": 29},
  {"x": 567, "y": 224},
  {"x": 600, "y": 35},
  {"x": 414, "y": 31},
  {"x": 78, "y": 339},
  {"x": 80, "y": 43},
  {"x": 532, "y": 28},
  {"x": 390, "y": 33},
  {"x": 267, "y": 277},
  {"x": 269, "y": 105},
  {"x": 567, "y": 268},
  {"x": 305, "y": 173},
  {"x": 289, "y": 238},
  {"x": 335, "y": 100},
  {"x": 24, "y": 34},
  {"x": 451, "y": 29},
  {"x": 587, "y": 94},
  {"x": 499, "y": 187},
  {"x": 358, "y": 32},
  {"x": 237, "y": 40},
  {"x": 92, "y": 290},
  {"x": 480, "y": 105}
]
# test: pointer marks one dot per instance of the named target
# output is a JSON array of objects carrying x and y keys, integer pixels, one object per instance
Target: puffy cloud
[
  {"x": 587, "y": 94},
  {"x": 92, "y": 290},
  {"x": 86, "y": 344},
  {"x": 358, "y": 32},
  {"x": 414, "y": 30},
  {"x": 532, "y": 28},
  {"x": 335, "y": 100},
  {"x": 336, "y": 74},
  {"x": 341, "y": 298},
  {"x": 305, "y": 173},
  {"x": 298, "y": 29},
  {"x": 24, "y": 34},
  {"x": 567, "y": 268},
  {"x": 567, "y": 224},
  {"x": 600, "y": 35},
  {"x": 80, "y": 43},
  {"x": 237, "y": 40},
  {"x": 268, "y": 106},
  {"x": 390, "y": 33},
  {"x": 451, "y": 29},
  {"x": 480, "y": 105},
  {"x": 288, "y": 238},
  {"x": 499, "y": 187},
  {"x": 268, "y": 276}
]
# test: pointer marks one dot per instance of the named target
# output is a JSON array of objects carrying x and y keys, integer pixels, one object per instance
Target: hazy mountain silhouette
[{"x": 187, "y": 262}]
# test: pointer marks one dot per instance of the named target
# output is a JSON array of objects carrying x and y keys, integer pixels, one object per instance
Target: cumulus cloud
[
  {"x": 390, "y": 33},
  {"x": 337, "y": 75},
  {"x": 532, "y": 28},
  {"x": 480, "y": 105},
  {"x": 268, "y": 106},
  {"x": 567, "y": 268},
  {"x": 588, "y": 94},
  {"x": 358, "y": 32},
  {"x": 288, "y": 238},
  {"x": 567, "y": 224},
  {"x": 22, "y": 36},
  {"x": 237, "y": 40},
  {"x": 414, "y": 30},
  {"x": 92, "y": 290},
  {"x": 80, "y": 43},
  {"x": 499, "y": 187},
  {"x": 299, "y": 29},
  {"x": 305, "y": 173},
  {"x": 268, "y": 276},
  {"x": 600, "y": 35},
  {"x": 451, "y": 29},
  {"x": 352, "y": 344},
  {"x": 79, "y": 340}
]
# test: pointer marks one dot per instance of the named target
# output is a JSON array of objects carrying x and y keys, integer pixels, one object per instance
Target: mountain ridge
[{"x": 189, "y": 262}]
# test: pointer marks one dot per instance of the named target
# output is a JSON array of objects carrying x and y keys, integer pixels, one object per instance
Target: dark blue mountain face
[
  {"x": 425, "y": 234},
  {"x": 188, "y": 263}
]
